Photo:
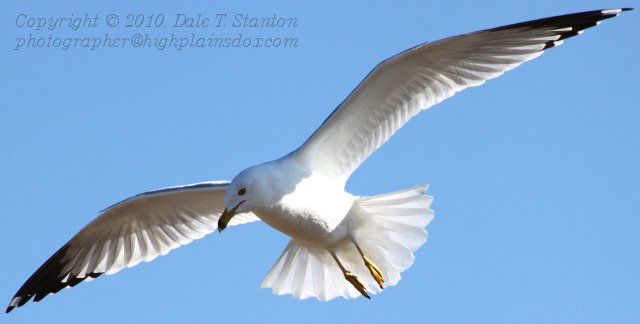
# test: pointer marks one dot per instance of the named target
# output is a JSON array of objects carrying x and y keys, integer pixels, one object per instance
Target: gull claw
[
  {"x": 375, "y": 271},
  {"x": 356, "y": 283}
]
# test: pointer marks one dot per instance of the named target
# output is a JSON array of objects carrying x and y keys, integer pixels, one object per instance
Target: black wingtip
[
  {"x": 574, "y": 23},
  {"x": 44, "y": 281},
  {"x": 613, "y": 12},
  {"x": 15, "y": 302}
]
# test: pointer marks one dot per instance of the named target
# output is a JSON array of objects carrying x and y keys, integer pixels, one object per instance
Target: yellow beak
[{"x": 226, "y": 216}]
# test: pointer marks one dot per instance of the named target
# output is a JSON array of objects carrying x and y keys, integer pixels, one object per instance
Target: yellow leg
[
  {"x": 373, "y": 269},
  {"x": 351, "y": 278}
]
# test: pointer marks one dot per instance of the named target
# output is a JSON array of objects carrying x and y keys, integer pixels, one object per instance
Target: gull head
[{"x": 240, "y": 196}]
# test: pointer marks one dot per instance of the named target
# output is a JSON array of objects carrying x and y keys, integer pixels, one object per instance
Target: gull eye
[{"x": 242, "y": 191}]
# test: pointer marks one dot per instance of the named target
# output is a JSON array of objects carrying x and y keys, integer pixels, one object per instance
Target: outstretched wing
[
  {"x": 400, "y": 87},
  {"x": 137, "y": 229}
]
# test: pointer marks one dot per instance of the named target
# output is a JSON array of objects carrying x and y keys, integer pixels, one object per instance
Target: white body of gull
[{"x": 341, "y": 244}]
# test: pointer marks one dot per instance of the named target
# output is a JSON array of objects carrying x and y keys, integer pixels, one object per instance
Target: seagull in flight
[{"x": 342, "y": 245}]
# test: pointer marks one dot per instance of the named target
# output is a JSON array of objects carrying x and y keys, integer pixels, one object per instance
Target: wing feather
[
  {"x": 136, "y": 229},
  {"x": 414, "y": 80}
]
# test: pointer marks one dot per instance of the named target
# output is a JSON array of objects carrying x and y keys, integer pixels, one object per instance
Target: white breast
[{"x": 313, "y": 212}]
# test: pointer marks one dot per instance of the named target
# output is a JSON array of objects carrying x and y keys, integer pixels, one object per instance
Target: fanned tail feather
[
  {"x": 388, "y": 228},
  {"x": 391, "y": 227}
]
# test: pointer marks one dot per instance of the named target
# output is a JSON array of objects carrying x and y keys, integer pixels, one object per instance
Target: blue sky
[{"x": 535, "y": 174}]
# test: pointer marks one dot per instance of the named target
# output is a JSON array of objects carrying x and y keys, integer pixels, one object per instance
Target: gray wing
[
  {"x": 400, "y": 87},
  {"x": 137, "y": 229}
]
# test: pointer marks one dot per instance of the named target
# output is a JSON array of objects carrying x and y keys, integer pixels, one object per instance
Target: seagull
[{"x": 342, "y": 245}]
